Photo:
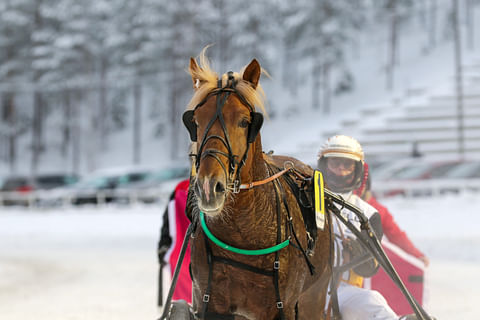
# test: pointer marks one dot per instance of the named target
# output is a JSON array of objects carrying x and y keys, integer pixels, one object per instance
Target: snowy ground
[
  {"x": 101, "y": 264},
  {"x": 447, "y": 230},
  {"x": 79, "y": 264}
]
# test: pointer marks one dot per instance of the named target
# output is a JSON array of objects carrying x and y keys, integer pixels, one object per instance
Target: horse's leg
[{"x": 311, "y": 304}]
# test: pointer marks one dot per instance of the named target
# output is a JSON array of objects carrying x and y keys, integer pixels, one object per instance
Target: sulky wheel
[{"x": 180, "y": 310}]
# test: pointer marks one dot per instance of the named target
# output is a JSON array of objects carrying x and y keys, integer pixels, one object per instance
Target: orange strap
[{"x": 247, "y": 186}]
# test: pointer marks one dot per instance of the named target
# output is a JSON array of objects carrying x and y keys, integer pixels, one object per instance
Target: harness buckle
[
  {"x": 236, "y": 186},
  {"x": 276, "y": 265},
  {"x": 288, "y": 165},
  {"x": 206, "y": 298},
  {"x": 279, "y": 305}
]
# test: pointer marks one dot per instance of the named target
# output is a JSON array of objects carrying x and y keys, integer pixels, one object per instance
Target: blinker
[
  {"x": 190, "y": 124},
  {"x": 255, "y": 125}
]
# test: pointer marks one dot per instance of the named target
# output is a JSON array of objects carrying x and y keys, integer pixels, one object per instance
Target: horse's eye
[{"x": 243, "y": 123}]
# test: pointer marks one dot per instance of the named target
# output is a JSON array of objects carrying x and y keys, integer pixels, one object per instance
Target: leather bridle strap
[
  {"x": 234, "y": 163},
  {"x": 226, "y": 141},
  {"x": 253, "y": 184}
]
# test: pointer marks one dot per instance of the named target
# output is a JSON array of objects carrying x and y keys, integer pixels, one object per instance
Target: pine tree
[{"x": 15, "y": 26}]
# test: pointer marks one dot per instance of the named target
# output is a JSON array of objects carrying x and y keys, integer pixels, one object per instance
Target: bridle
[{"x": 234, "y": 164}]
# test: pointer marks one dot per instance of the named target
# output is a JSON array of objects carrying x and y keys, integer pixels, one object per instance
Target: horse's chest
[
  {"x": 235, "y": 273},
  {"x": 243, "y": 291},
  {"x": 235, "y": 278}
]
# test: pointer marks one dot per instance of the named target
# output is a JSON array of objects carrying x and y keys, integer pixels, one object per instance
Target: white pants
[{"x": 363, "y": 304}]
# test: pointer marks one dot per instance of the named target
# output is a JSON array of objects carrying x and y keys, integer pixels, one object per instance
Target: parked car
[
  {"x": 394, "y": 181},
  {"x": 159, "y": 182},
  {"x": 424, "y": 170},
  {"x": 101, "y": 186},
  {"x": 385, "y": 170},
  {"x": 17, "y": 183},
  {"x": 465, "y": 170},
  {"x": 376, "y": 163},
  {"x": 15, "y": 190},
  {"x": 54, "y": 180}
]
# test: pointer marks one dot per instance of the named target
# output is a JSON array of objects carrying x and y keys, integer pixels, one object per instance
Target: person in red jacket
[
  {"x": 174, "y": 226},
  {"x": 390, "y": 228}
]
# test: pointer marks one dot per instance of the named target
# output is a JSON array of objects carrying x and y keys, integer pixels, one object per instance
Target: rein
[{"x": 372, "y": 243}]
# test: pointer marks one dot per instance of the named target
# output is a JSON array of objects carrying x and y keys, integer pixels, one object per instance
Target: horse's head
[{"x": 222, "y": 120}]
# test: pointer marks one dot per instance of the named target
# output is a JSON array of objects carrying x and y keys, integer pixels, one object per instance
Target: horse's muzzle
[{"x": 210, "y": 195}]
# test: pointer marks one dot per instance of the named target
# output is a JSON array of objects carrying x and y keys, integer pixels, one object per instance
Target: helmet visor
[
  {"x": 340, "y": 174},
  {"x": 341, "y": 164}
]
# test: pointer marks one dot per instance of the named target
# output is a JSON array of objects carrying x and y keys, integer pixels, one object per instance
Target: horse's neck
[{"x": 258, "y": 168}]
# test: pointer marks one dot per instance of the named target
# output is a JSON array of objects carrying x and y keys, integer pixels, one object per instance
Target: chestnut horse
[{"x": 252, "y": 253}]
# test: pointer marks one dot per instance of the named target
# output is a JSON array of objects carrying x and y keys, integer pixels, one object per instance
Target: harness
[
  {"x": 368, "y": 239},
  {"x": 235, "y": 163},
  {"x": 234, "y": 167},
  {"x": 274, "y": 272}
]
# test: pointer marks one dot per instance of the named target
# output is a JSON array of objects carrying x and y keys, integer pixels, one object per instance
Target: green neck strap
[{"x": 237, "y": 250}]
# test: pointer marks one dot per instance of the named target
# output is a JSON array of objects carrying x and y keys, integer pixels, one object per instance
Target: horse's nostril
[{"x": 219, "y": 187}]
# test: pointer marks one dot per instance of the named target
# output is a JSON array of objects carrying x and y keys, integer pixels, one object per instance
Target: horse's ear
[
  {"x": 194, "y": 69},
  {"x": 252, "y": 73}
]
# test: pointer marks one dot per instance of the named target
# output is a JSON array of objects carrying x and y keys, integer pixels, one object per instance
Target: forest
[{"x": 73, "y": 74}]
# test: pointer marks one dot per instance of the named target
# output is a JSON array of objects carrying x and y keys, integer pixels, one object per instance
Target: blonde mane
[{"x": 207, "y": 81}]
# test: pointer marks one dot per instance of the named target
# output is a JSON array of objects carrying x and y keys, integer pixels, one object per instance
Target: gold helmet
[{"x": 341, "y": 146}]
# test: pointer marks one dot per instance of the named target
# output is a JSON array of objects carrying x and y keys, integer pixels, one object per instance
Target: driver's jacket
[{"x": 342, "y": 232}]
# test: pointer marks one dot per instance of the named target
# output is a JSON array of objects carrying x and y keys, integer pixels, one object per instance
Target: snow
[
  {"x": 79, "y": 264},
  {"x": 447, "y": 231},
  {"x": 100, "y": 263}
]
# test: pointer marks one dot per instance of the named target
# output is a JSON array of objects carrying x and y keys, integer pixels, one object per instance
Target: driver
[{"x": 341, "y": 161}]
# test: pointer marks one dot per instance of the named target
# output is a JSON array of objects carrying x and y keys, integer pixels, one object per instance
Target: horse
[{"x": 255, "y": 252}]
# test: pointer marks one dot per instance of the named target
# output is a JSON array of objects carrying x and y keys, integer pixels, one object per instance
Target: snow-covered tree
[
  {"x": 15, "y": 27},
  {"x": 318, "y": 31},
  {"x": 394, "y": 13}
]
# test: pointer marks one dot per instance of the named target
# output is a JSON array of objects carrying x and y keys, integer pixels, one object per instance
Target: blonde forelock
[{"x": 207, "y": 80}]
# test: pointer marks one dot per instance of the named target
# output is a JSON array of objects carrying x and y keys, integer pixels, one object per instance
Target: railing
[
  {"x": 383, "y": 189},
  {"x": 425, "y": 188},
  {"x": 55, "y": 198}
]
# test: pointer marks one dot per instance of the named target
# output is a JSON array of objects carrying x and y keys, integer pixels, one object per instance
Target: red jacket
[
  {"x": 393, "y": 232},
  {"x": 183, "y": 290}
]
